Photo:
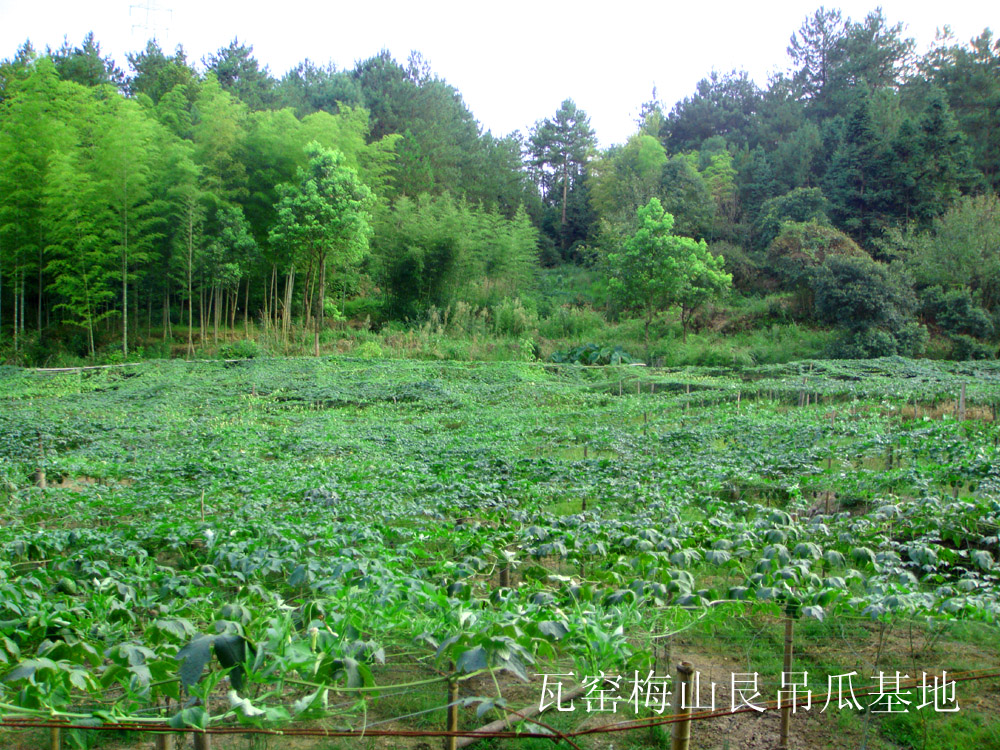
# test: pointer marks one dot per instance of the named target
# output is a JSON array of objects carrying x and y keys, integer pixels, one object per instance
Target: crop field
[{"x": 371, "y": 553}]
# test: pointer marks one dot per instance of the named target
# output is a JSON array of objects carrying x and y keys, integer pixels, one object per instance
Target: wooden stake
[
  {"x": 164, "y": 741},
  {"x": 638, "y": 387},
  {"x": 203, "y": 506},
  {"x": 55, "y": 738},
  {"x": 451, "y": 743},
  {"x": 681, "y": 734},
  {"x": 961, "y": 405},
  {"x": 786, "y": 707},
  {"x": 202, "y": 741},
  {"x": 40, "y": 474}
]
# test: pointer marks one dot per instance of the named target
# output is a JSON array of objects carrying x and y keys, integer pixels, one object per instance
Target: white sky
[{"x": 513, "y": 61}]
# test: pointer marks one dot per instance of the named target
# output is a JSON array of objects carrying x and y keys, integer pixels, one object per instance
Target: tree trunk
[
  {"x": 41, "y": 261},
  {"x": 125, "y": 271},
  {"x": 565, "y": 191},
  {"x": 310, "y": 283},
  {"x": 190, "y": 292},
  {"x": 216, "y": 293},
  {"x": 246, "y": 310},
  {"x": 322, "y": 302},
  {"x": 287, "y": 312},
  {"x": 201, "y": 314}
]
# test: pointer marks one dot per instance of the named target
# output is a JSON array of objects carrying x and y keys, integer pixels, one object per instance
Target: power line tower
[{"x": 151, "y": 19}]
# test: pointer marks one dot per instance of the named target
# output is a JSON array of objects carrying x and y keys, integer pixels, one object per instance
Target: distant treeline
[{"x": 155, "y": 194}]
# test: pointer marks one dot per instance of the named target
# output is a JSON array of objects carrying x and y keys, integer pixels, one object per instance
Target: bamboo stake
[
  {"x": 202, "y": 741},
  {"x": 55, "y": 738},
  {"x": 961, "y": 405},
  {"x": 681, "y": 734},
  {"x": 451, "y": 743},
  {"x": 164, "y": 741},
  {"x": 786, "y": 708},
  {"x": 40, "y": 474}
]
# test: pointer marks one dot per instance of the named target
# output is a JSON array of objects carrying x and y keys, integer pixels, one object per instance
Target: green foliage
[
  {"x": 434, "y": 251},
  {"x": 798, "y": 205},
  {"x": 592, "y": 354},
  {"x": 964, "y": 347},
  {"x": 962, "y": 250},
  {"x": 802, "y": 246},
  {"x": 242, "y": 349},
  {"x": 955, "y": 312},
  {"x": 873, "y": 302},
  {"x": 655, "y": 269}
]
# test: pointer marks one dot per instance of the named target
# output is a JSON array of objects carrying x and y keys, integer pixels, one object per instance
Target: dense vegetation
[
  {"x": 316, "y": 526},
  {"x": 156, "y": 205}
]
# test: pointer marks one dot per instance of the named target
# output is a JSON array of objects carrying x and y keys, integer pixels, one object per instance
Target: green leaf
[
  {"x": 232, "y": 653},
  {"x": 472, "y": 660},
  {"x": 193, "y": 658},
  {"x": 195, "y": 717},
  {"x": 553, "y": 629}
]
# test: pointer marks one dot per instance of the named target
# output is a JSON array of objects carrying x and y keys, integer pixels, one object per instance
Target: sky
[{"x": 514, "y": 61}]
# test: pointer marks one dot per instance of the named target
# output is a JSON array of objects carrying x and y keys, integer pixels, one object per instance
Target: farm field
[{"x": 346, "y": 546}]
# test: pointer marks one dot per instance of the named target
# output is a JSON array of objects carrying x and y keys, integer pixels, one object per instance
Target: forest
[{"x": 181, "y": 208}]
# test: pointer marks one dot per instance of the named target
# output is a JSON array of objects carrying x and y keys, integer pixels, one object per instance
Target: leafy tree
[
  {"x": 327, "y": 214},
  {"x": 798, "y": 158},
  {"x": 126, "y": 160},
  {"x": 859, "y": 180},
  {"x": 81, "y": 262},
  {"x": 84, "y": 64},
  {"x": 933, "y": 163},
  {"x": 873, "y": 302},
  {"x": 33, "y": 128},
  {"x": 559, "y": 149},
  {"x": 218, "y": 131},
  {"x": 687, "y": 197},
  {"x": 230, "y": 256},
  {"x": 801, "y": 247},
  {"x": 970, "y": 77},
  {"x": 154, "y": 73},
  {"x": 656, "y": 269},
  {"x": 724, "y": 106},
  {"x": 309, "y": 88},
  {"x": 798, "y": 205},
  {"x": 624, "y": 178},
  {"x": 239, "y": 73},
  {"x": 962, "y": 250}
]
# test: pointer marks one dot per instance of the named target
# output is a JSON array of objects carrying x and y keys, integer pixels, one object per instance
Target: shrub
[
  {"x": 368, "y": 350},
  {"x": 571, "y": 322},
  {"x": 242, "y": 349},
  {"x": 966, "y": 347},
  {"x": 592, "y": 354},
  {"x": 510, "y": 318},
  {"x": 955, "y": 312}
]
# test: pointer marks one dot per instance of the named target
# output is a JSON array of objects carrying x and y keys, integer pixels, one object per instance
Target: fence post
[
  {"x": 40, "y": 474},
  {"x": 681, "y": 734},
  {"x": 451, "y": 742},
  {"x": 786, "y": 708}
]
